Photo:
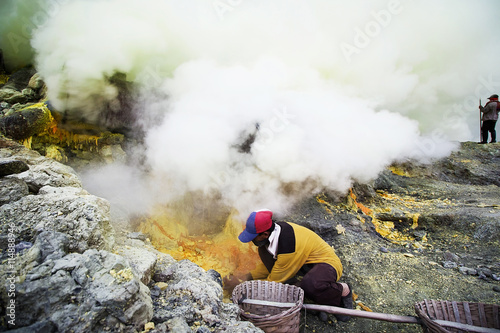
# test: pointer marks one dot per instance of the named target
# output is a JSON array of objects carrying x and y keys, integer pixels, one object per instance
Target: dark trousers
[
  {"x": 320, "y": 285},
  {"x": 488, "y": 126}
]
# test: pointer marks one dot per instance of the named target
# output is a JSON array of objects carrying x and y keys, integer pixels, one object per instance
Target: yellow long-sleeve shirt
[{"x": 309, "y": 248}]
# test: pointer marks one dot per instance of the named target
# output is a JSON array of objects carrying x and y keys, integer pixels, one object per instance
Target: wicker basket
[
  {"x": 274, "y": 318},
  {"x": 473, "y": 314}
]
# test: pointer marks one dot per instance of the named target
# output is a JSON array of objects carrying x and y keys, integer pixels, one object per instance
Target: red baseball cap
[{"x": 259, "y": 221}]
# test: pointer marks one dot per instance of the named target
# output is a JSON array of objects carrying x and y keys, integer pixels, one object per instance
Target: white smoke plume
[{"x": 333, "y": 91}]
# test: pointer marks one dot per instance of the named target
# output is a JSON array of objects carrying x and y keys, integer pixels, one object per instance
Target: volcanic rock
[
  {"x": 42, "y": 171},
  {"x": 58, "y": 203},
  {"x": 20, "y": 79},
  {"x": 93, "y": 291},
  {"x": 193, "y": 299},
  {"x": 467, "y": 271},
  {"x": 83, "y": 217},
  {"x": 140, "y": 259},
  {"x": 12, "y": 189},
  {"x": 23, "y": 86},
  {"x": 25, "y": 123},
  {"x": 9, "y": 167}
]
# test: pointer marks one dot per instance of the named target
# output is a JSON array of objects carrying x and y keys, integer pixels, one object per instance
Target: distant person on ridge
[
  {"x": 490, "y": 116},
  {"x": 286, "y": 249}
]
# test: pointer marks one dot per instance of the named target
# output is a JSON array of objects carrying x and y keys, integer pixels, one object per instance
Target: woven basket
[
  {"x": 474, "y": 314},
  {"x": 270, "y": 319}
]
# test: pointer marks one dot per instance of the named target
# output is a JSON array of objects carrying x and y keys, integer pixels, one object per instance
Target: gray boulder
[
  {"x": 191, "y": 297},
  {"x": 58, "y": 204},
  {"x": 12, "y": 189},
  {"x": 141, "y": 260},
  {"x": 42, "y": 170},
  {"x": 70, "y": 210},
  {"x": 94, "y": 291}
]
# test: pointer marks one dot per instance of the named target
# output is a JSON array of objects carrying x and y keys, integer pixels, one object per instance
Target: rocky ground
[
  {"x": 419, "y": 231},
  {"x": 451, "y": 253}
]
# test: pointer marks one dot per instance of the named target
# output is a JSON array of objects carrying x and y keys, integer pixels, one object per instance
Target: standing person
[
  {"x": 490, "y": 116},
  {"x": 287, "y": 248}
]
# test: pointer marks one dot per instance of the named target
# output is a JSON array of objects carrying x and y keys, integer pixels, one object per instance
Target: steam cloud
[{"x": 332, "y": 91}]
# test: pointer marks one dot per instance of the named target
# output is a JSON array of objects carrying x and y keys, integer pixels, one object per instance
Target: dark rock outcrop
[
  {"x": 25, "y": 123},
  {"x": 23, "y": 86},
  {"x": 9, "y": 167}
]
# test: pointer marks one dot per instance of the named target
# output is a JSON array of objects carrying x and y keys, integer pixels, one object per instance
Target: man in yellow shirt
[{"x": 287, "y": 248}]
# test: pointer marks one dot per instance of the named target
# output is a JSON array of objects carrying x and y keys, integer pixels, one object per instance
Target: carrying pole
[
  {"x": 363, "y": 314},
  {"x": 480, "y": 123},
  {"x": 374, "y": 315}
]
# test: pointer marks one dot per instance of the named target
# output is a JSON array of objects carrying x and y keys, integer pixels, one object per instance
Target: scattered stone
[
  {"x": 419, "y": 234},
  {"x": 496, "y": 288},
  {"x": 448, "y": 256},
  {"x": 35, "y": 82},
  {"x": 215, "y": 276},
  {"x": 12, "y": 96},
  {"x": 149, "y": 326},
  {"x": 39, "y": 327},
  {"x": 467, "y": 271},
  {"x": 137, "y": 235},
  {"x": 161, "y": 272},
  {"x": 383, "y": 250},
  {"x": 449, "y": 264},
  {"x": 485, "y": 271},
  {"x": 161, "y": 285},
  {"x": 161, "y": 328},
  {"x": 21, "y": 246},
  {"x": 178, "y": 324},
  {"x": 112, "y": 153}
]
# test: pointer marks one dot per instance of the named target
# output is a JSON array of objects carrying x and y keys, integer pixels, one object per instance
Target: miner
[
  {"x": 288, "y": 251},
  {"x": 489, "y": 117}
]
